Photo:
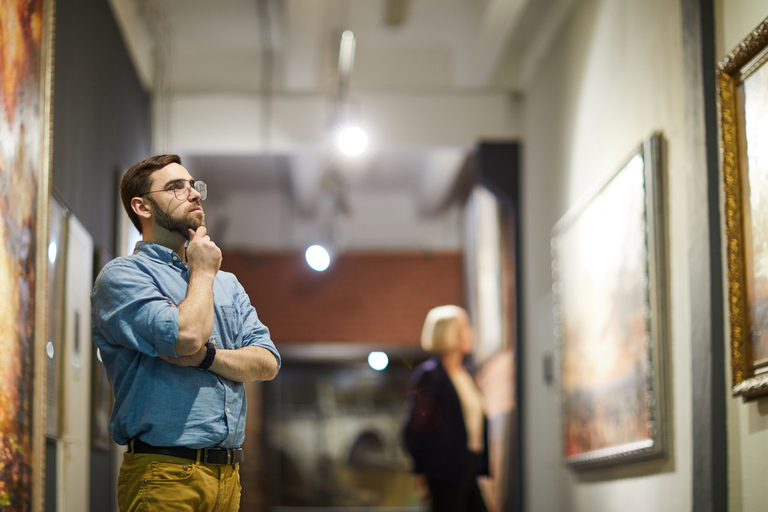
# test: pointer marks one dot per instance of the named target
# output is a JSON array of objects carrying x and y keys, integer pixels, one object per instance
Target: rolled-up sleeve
[
  {"x": 254, "y": 333},
  {"x": 129, "y": 310}
]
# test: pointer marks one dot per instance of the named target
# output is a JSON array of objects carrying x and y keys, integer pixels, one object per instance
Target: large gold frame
[{"x": 749, "y": 55}]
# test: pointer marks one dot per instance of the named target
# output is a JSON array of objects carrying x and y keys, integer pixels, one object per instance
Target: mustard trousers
[{"x": 151, "y": 482}]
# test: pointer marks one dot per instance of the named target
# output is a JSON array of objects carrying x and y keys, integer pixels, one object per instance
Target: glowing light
[
  {"x": 378, "y": 360},
  {"x": 318, "y": 258},
  {"x": 352, "y": 140},
  {"x": 52, "y": 249}
]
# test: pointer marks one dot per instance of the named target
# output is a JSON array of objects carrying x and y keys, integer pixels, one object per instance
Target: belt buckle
[{"x": 229, "y": 453}]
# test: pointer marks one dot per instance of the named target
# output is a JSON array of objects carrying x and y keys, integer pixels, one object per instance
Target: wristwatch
[{"x": 209, "y": 356}]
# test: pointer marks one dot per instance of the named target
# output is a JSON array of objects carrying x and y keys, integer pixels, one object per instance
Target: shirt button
[
  {"x": 213, "y": 341},
  {"x": 227, "y": 410}
]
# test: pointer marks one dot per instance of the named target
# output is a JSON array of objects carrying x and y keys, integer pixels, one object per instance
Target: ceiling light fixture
[
  {"x": 317, "y": 257},
  {"x": 378, "y": 360},
  {"x": 352, "y": 140}
]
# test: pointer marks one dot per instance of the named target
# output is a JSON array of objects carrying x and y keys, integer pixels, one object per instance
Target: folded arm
[{"x": 245, "y": 364}]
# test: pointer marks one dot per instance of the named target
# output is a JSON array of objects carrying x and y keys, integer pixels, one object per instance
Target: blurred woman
[{"x": 445, "y": 428}]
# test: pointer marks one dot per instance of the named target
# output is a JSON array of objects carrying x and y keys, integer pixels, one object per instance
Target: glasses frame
[{"x": 200, "y": 186}]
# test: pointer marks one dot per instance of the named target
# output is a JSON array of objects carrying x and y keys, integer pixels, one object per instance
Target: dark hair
[{"x": 137, "y": 179}]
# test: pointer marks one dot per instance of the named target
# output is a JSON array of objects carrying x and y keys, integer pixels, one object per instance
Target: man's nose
[{"x": 194, "y": 195}]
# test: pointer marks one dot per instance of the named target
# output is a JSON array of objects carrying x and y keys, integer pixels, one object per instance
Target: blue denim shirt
[{"x": 135, "y": 318}]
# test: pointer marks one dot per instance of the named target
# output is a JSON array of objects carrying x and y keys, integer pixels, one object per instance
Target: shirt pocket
[{"x": 227, "y": 326}]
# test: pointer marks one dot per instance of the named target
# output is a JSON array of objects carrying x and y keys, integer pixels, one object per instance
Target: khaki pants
[{"x": 151, "y": 482}]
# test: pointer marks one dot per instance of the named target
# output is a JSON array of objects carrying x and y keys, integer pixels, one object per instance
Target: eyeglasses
[{"x": 182, "y": 188}]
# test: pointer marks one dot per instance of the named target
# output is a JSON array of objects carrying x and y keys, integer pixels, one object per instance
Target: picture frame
[
  {"x": 610, "y": 290},
  {"x": 25, "y": 128},
  {"x": 493, "y": 275},
  {"x": 742, "y": 84},
  {"x": 58, "y": 215},
  {"x": 101, "y": 391},
  {"x": 483, "y": 272}
]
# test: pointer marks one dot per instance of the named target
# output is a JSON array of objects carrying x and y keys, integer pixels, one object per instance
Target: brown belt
[{"x": 210, "y": 456}]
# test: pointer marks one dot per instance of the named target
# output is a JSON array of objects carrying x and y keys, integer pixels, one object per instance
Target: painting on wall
[
  {"x": 492, "y": 270},
  {"x": 101, "y": 392},
  {"x": 25, "y": 69},
  {"x": 743, "y": 106},
  {"x": 609, "y": 265}
]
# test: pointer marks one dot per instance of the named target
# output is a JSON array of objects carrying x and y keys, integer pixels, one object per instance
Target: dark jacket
[{"x": 433, "y": 426}]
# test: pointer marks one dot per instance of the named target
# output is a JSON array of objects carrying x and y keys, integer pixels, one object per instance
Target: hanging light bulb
[
  {"x": 352, "y": 140},
  {"x": 378, "y": 360},
  {"x": 317, "y": 257}
]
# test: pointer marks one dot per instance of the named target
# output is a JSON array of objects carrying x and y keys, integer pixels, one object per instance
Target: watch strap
[{"x": 209, "y": 356}]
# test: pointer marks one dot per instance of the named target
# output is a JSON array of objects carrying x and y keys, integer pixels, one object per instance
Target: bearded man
[{"x": 178, "y": 338}]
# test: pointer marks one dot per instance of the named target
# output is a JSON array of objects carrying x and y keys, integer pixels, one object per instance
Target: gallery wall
[
  {"x": 612, "y": 76},
  {"x": 101, "y": 115},
  {"x": 747, "y": 422},
  {"x": 101, "y": 126},
  {"x": 374, "y": 298}
]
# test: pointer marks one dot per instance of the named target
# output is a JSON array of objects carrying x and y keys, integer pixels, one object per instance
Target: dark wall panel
[
  {"x": 101, "y": 114},
  {"x": 101, "y": 125}
]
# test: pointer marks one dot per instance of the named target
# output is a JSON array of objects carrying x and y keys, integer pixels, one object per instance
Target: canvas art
[
  {"x": 743, "y": 102},
  {"x": 609, "y": 290},
  {"x": 23, "y": 178}
]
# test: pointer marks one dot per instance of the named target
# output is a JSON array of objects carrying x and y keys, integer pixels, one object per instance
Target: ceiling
[{"x": 249, "y": 92}]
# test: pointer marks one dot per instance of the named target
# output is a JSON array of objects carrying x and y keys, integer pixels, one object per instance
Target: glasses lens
[
  {"x": 201, "y": 187},
  {"x": 182, "y": 194}
]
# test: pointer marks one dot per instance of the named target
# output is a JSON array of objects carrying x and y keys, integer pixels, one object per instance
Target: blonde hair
[{"x": 435, "y": 335}]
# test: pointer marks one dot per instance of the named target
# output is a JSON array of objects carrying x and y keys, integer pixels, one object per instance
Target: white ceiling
[{"x": 247, "y": 91}]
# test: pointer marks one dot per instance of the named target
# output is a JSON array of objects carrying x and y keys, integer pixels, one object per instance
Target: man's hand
[
  {"x": 202, "y": 254},
  {"x": 193, "y": 360}
]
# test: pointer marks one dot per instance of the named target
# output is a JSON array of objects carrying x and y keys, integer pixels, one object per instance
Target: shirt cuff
[{"x": 166, "y": 331}]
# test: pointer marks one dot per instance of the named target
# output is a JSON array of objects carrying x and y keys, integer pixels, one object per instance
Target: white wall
[
  {"x": 612, "y": 76},
  {"x": 735, "y": 19},
  {"x": 747, "y": 422}
]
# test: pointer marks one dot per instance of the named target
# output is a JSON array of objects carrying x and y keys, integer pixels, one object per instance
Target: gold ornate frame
[{"x": 748, "y": 56}]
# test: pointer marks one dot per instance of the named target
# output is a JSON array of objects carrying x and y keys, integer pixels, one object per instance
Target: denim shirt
[{"x": 135, "y": 319}]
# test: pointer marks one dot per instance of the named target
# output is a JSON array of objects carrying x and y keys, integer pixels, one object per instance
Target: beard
[{"x": 178, "y": 225}]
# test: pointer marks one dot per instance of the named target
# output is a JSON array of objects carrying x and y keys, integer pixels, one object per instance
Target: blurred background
[{"x": 472, "y": 127}]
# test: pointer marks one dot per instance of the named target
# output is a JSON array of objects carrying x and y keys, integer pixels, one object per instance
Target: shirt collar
[{"x": 157, "y": 252}]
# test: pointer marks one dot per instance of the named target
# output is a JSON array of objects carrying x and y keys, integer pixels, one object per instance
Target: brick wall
[{"x": 363, "y": 297}]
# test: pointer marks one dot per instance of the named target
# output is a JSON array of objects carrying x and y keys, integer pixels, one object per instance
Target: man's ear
[{"x": 141, "y": 208}]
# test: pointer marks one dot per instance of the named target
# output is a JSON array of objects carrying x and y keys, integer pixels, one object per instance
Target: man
[{"x": 178, "y": 339}]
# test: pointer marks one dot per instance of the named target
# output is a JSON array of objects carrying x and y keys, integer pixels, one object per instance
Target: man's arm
[
  {"x": 245, "y": 364},
  {"x": 196, "y": 310}
]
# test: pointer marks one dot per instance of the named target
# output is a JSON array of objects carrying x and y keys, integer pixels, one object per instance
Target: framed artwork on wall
[
  {"x": 57, "y": 261},
  {"x": 743, "y": 109},
  {"x": 101, "y": 391},
  {"x": 492, "y": 270},
  {"x": 610, "y": 289},
  {"x": 24, "y": 193}
]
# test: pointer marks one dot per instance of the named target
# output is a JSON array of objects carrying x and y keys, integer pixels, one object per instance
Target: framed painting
[
  {"x": 101, "y": 392},
  {"x": 24, "y": 168},
  {"x": 743, "y": 110},
  {"x": 610, "y": 289},
  {"x": 492, "y": 266},
  {"x": 483, "y": 267},
  {"x": 57, "y": 261}
]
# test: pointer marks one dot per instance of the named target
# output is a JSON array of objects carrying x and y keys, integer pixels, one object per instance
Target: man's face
[{"x": 170, "y": 213}]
